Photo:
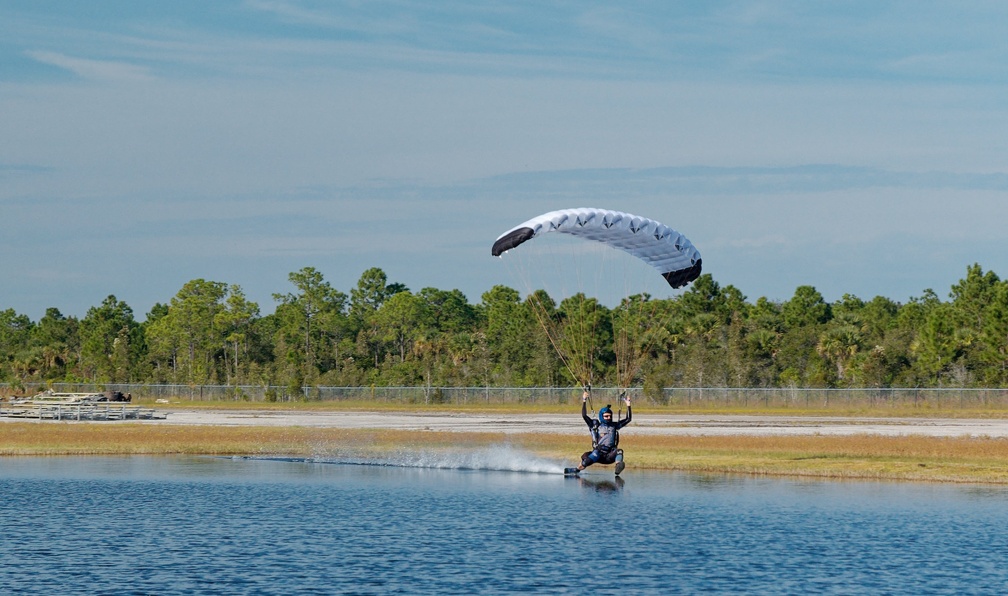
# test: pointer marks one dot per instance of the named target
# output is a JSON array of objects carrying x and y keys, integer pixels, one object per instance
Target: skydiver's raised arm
[
  {"x": 584, "y": 409},
  {"x": 629, "y": 414}
]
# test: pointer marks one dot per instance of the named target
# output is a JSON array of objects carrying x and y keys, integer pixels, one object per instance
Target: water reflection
[
  {"x": 715, "y": 482},
  {"x": 602, "y": 486}
]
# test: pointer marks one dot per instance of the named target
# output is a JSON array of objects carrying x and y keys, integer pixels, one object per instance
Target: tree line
[{"x": 383, "y": 334}]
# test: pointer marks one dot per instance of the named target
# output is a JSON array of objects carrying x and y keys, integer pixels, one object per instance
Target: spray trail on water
[
  {"x": 503, "y": 458},
  {"x": 500, "y": 458}
]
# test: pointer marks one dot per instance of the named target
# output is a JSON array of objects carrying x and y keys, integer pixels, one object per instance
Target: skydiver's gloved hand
[
  {"x": 584, "y": 397},
  {"x": 626, "y": 399}
]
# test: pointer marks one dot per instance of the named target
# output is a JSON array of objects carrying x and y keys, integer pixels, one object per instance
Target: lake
[{"x": 209, "y": 525}]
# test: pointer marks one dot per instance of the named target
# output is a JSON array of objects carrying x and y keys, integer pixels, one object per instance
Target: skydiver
[{"x": 605, "y": 436}]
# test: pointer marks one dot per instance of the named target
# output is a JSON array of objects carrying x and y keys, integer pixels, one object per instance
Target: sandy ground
[{"x": 645, "y": 424}]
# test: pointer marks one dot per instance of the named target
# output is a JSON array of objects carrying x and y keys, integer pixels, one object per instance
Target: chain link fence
[{"x": 692, "y": 397}]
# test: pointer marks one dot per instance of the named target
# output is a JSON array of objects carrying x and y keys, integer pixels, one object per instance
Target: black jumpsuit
[{"x": 605, "y": 438}]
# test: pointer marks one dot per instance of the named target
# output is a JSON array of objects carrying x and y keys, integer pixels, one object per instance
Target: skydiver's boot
[{"x": 619, "y": 463}]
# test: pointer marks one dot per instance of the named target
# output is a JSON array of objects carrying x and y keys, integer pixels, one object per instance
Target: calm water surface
[{"x": 203, "y": 525}]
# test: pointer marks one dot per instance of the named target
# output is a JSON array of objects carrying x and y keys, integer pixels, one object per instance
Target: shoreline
[
  {"x": 569, "y": 424},
  {"x": 941, "y": 450}
]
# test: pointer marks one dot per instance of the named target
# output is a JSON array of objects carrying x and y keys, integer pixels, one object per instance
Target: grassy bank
[
  {"x": 912, "y": 458},
  {"x": 922, "y": 410}
]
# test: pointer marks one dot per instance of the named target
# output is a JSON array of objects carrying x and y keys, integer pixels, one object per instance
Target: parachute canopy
[{"x": 656, "y": 244}]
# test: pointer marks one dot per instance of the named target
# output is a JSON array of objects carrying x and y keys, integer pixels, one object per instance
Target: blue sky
[{"x": 858, "y": 147}]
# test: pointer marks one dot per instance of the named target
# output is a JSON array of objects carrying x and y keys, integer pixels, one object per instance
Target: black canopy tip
[
  {"x": 678, "y": 279},
  {"x": 511, "y": 240}
]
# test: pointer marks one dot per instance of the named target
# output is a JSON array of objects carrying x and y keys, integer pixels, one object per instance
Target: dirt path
[{"x": 693, "y": 424}]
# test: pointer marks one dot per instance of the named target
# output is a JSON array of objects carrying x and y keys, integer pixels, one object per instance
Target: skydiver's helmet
[{"x": 601, "y": 414}]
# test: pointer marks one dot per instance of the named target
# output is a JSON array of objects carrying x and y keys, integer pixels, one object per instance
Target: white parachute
[
  {"x": 630, "y": 248},
  {"x": 656, "y": 244}
]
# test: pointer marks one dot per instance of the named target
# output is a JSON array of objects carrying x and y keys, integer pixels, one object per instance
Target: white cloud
[
  {"x": 290, "y": 12},
  {"x": 756, "y": 242},
  {"x": 94, "y": 70}
]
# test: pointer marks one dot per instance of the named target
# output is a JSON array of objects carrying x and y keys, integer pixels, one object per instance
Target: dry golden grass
[
  {"x": 938, "y": 459},
  {"x": 921, "y": 410},
  {"x": 916, "y": 458}
]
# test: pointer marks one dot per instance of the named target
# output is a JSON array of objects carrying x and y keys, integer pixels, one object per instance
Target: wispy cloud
[
  {"x": 818, "y": 178},
  {"x": 11, "y": 169},
  {"x": 292, "y": 13},
  {"x": 758, "y": 242},
  {"x": 93, "y": 70}
]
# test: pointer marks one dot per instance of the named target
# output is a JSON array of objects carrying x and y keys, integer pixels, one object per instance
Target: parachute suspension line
[
  {"x": 621, "y": 345},
  {"x": 577, "y": 332},
  {"x": 605, "y": 255},
  {"x": 638, "y": 323},
  {"x": 632, "y": 325},
  {"x": 622, "y": 342},
  {"x": 575, "y": 328},
  {"x": 627, "y": 322},
  {"x": 545, "y": 321},
  {"x": 636, "y": 335},
  {"x": 521, "y": 264},
  {"x": 625, "y": 358},
  {"x": 584, "y": 336}
]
